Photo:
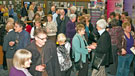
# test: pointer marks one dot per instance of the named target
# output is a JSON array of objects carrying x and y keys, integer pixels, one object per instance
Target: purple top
[
  {"x": 16, "y": 72},
  {"x": 130, "y": 43},
  {"x": 70, "y": 29}
]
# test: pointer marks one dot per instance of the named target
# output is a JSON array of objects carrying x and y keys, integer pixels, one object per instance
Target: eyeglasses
[{"x": 42, "y": 38}]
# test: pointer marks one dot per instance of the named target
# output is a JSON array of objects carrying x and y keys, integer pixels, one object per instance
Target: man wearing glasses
[{"x": 44, "y": 56}]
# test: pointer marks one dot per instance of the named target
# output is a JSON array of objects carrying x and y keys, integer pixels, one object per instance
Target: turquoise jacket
[{"x": 79, "y": 48}]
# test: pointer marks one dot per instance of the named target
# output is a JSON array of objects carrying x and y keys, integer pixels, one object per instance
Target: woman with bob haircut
[
  {"x": 63, "y": 52},
  {"x": 21, "y": 61}
]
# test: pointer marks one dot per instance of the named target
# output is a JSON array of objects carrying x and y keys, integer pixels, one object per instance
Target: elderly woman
[
  {"x": 70, "y": 27},
  {"x": 51, "y": 28},
  {"x": 21, "y": 61},
  {"x": 125, "y": 56},
  {"x": 116, "y": 33},
  {"x": 80, "y": 51},
  {"x": 9, "y": 44}
]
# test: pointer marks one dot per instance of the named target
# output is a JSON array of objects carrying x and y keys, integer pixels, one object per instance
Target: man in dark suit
[
  {"x": 24, "y": 10},
  {"x": 103, "y": 47},
  {"x": 62, "y": 20}
]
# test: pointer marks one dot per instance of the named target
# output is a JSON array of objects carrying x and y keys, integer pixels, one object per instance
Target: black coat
[
  {"x": 104, "y": 47},
  {"x": 24, "y": 12},
  {"x": 62, "y": 24},
  {"x": 50, "y": 59}
]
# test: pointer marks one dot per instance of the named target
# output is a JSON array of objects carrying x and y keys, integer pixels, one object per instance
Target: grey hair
[
  {"x": 101, "y": 23},
  {"x": 72, "y": 16},
  {"x": 73, "y": 8}
]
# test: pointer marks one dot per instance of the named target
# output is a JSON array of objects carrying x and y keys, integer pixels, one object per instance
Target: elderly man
[
  {"x": 71, "y": 10},
  {"x": 52, "y": 11},
  {"x": 103, "y": 48},
  {"x": 70, "y": 27}
]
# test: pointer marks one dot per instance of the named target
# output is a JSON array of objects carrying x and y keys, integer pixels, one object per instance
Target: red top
[{"x": 28, "y": 28}]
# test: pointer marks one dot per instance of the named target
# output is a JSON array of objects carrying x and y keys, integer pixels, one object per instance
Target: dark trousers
[
  {"x": 66, "y": 73},
  {"x": 4, "y": 60},
  {"x": 84, "y": 70}
]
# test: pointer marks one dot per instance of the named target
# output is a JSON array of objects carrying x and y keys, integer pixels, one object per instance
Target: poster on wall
[
  {"x": 128, "y": 6},
  {"x": 114, "y": 6}
]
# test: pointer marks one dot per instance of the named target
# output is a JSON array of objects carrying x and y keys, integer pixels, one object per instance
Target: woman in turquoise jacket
[{"x": 80, "y": 51}]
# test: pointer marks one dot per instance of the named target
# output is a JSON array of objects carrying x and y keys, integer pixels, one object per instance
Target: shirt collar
[{"x": 101, "y": 31}]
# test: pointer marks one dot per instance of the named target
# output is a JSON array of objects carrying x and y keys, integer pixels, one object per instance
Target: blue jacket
[
  {"x": 24, "y": 40},
  {"x": 79, "y": 48}
]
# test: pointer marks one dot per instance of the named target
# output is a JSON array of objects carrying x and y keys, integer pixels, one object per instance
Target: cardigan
[{"x": 79, "y": 48}]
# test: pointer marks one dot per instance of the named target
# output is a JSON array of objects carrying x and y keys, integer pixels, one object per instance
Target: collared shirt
[{"x": 101, "y": 31}]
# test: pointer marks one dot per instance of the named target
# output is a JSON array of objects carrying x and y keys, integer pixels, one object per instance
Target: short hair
[
  {"x": 73, "y": 8},
  {"x": 39, "y": 30},
  {"x": 20, "y": 57},
  {"x": 112, "y": 13},
  {"x": 72, "y": 16},
  {"x": 82, "y": 19},
  {"x": 117, "y": 14},
  {"x": 79, "y": 27},
  {"x": 61, "y": 37},
  {"x": 50, "y": 15},
  {"x": 125, "y": 13},
  {"x": 114, "y": 22},
  {"x": 101, "y": 23},
  {"x": 11, "y": 20},
  {"x": 9, "y": 26},
  {"x": 125, "y": 24},
  {"x": 21, "y": 24}
]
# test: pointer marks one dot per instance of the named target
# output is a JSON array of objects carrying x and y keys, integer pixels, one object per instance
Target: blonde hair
[
  {"x": 9, "y": 26},
  {"x": 61, "y": 37},
  {"x": 31, "y": 7},
  {"x": 11, "y": 20},
  {"x": 125, "y": 24},
  {"x": 20, "y": 57}
]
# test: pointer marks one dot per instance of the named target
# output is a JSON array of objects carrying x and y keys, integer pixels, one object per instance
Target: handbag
[
  {"x": 79, "y": 64},
  {"x": 97, "y": 61}
]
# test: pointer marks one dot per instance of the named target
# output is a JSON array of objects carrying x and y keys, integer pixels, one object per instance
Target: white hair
[
  {"x": 73, "y": 8},
  {"x": 72, "y": 16},
  {"x": 101, "y": 23}
]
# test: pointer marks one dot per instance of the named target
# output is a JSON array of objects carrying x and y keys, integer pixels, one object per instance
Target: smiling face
[
  {"x": 17, "y": 28},
  {"x": 27, "y": 63}
]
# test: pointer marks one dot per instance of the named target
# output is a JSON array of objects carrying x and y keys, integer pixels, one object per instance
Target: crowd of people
[{"x": 66, "y": 42}]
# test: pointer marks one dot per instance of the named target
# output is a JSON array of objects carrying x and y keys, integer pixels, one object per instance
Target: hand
[
  {"x": 123, "y": 52},
  {"x": 91, "y": 47},
  {"x": 94, "y": 44},
  {"x": 61, "y": 17},
  {"x": 11, "y": 43},
  {"x": 40, "y": 68}
]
